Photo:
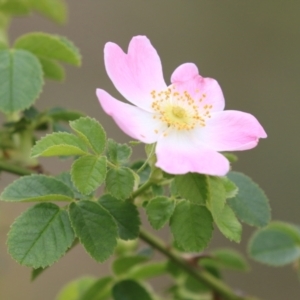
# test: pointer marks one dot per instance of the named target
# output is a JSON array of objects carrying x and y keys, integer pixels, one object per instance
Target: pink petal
[
  {"x": 137, "y": 73},
  {"x": 135, "y": 122},
  {"x": 179, "y": 153},
  {"x": 231, "y": 131},
  {"x": 186, "y": 78}
]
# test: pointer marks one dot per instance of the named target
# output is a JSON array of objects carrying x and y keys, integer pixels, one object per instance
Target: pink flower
[{"x": 185, "y": 119}]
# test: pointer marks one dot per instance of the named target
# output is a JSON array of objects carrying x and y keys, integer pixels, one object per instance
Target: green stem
[
  {"x": 203, "y": 276},
  {"x": 14, "y": 169},
  {"x": 141, "y": 189}
]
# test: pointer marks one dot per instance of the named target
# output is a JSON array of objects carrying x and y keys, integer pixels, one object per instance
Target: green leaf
[
  {"x": 125, "y": 215},
  {"x": 95, "y": 228},
  {"x": 52, "y": 70},
  {"x": 120, "y": 182},
  {"x": 225, "y": 259},
  {"x": 146, "y": 271},
  {"x": 230, "y": 188},
  {"x": 117, "y": 153},
  {"x": 228, "y": 224},
  {"x": 15, "y": 7},
  {"x": 91, "y": 132},
  {"x": 159, "y": 210},
  {"x": 16, "y": 91},
  {"x": 55, "y": 10},
  {"x": 144, "y": 173},
  {"x": 76, "y": 288},
  {"x": 250, "y": 204},
  {"x": 122, "y": 265},
  {"x": 59, "y": 144},
  {"x": 191, "y": 226},
  {"x": 130, "y": 290},
  {"x": 37, "y": 188},
  {"x": 49, "y": 46},
  {"x": 62, "y": 114},
  {"x": 99, "y": 290},
  {"x": 88, "y": 173},
  {"x": 192, "y": 186},
  {"x": 277, "y": 244},
  {"x": 40, "y": 236},
  {"x": 65, "y": 177}
]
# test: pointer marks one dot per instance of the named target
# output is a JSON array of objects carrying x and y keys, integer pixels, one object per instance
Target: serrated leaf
[
  {"x": 123, "y": 265},
  {"x": 76, "y": 288},
  {"x": 16, "y": 91},
  {"x": 65, "y": 177},
  {"x": 52, "y": 70},
  {"x": 159, "y": 210},
  {"x": 88, "y": 173},
  {"x": 228, "y": 224},
  {"x": 37, "y": 188},
  {"x": 250, "y": 204},
  {"x": 120, "y": 182},
  {"x": 117, "y": 153},
  {"x": 95, "y": 228},
  {"x": 192, "y": 186},
  {"x": 99, "y": 290},
  {"x": 62, "y": 114},
  {"x": 191, "y": 226},
  {"x": 55, "y": 10},
  {"x": 91, "y": 132},
  {"x": 225, "y": 259},
  {"x": 130, "y": 290},
  {"x": 49, "y": 46},
  {"x": 277, "y": 244},
  {"x": 40, "y": 236},
  {"x": 59, "y": 144},
  {"x": 125, "y": 215}
]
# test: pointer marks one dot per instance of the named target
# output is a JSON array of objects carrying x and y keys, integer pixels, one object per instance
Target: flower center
[{"x": 179, "y": 110}]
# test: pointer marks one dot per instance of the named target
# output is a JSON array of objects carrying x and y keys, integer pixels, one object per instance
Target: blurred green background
[{"x": 251, "y": 47}]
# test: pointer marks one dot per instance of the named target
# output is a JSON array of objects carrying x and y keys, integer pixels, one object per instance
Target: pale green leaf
[
  {"x": 49, "y": 46},
  {"x": 52, "y": 69},
  {"x": 15, "y": 7},
  {"x": 159, "y": 210},
  {"x": 95, "y": 228},
  {"x": 120, "y": 182},
  {"x": 277, "y": 244},
  {"x": 37, "y": 188},
  {"x": 90, "y": 131},
  {"x": 117, "y": 153},
  {"x": 99, "y": 290},
  {"x": 130, "y": 290},
  {"x": 16, "y": 91},
  {"x": 216, "y": 195},
  {"x": 250, "y": 204},
  {"x": 191, "y": 226},
  {"x": 88, "y": 173},
  {"x": 59, "y": 144},
  {"x": 192, "y": 186},
  {"x": 230, "y": 188},
  {"x": 55, "y": 10},
  {"x": 125, "y": 215},
  {"x": 146, "y": 271},
  {"x": 62, "y": 114},
  {"x": 40, "y": 236},
  {"x": 123, "y": 265}
]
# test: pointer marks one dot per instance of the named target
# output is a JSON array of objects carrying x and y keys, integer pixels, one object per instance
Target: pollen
[{"x": 179, "y": 110}]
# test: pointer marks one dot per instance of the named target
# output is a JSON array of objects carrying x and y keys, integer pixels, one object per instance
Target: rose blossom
[{"x": 185, "y": 119}]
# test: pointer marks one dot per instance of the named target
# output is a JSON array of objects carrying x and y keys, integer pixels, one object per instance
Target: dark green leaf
[
  {"x": 95, "y": 228},
  {"x": 159, "y": 210},
  {"x": 191, "y": 226},
  {"x": 40, "y": 236},
  {"x": 65, "y": 177},
  {"x": 130, "y": 290},
  {"x": 37, "y": 188},
  {"x": 118, "y": 154},
  {"x": 277, "y": 244},
  {"x": 16, "y": 91},
  {"x": 250, "y": 204},
  {"x": 49, "y": 46},
  {"x": 144, "y": 173},
  {"x": 91, "y": 132},
  {"x": 59, "y": 144},
  {"x": 192, "y": 186},
  {"x": 88, "y": 173},
  {"x": 120, "y": 182},
  {"x": 125, "y": 214}
]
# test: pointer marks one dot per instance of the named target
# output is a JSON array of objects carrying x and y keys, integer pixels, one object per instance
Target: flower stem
[
  {"x": 14, "y": 169},
  {"x": 203, "y": 276}
]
